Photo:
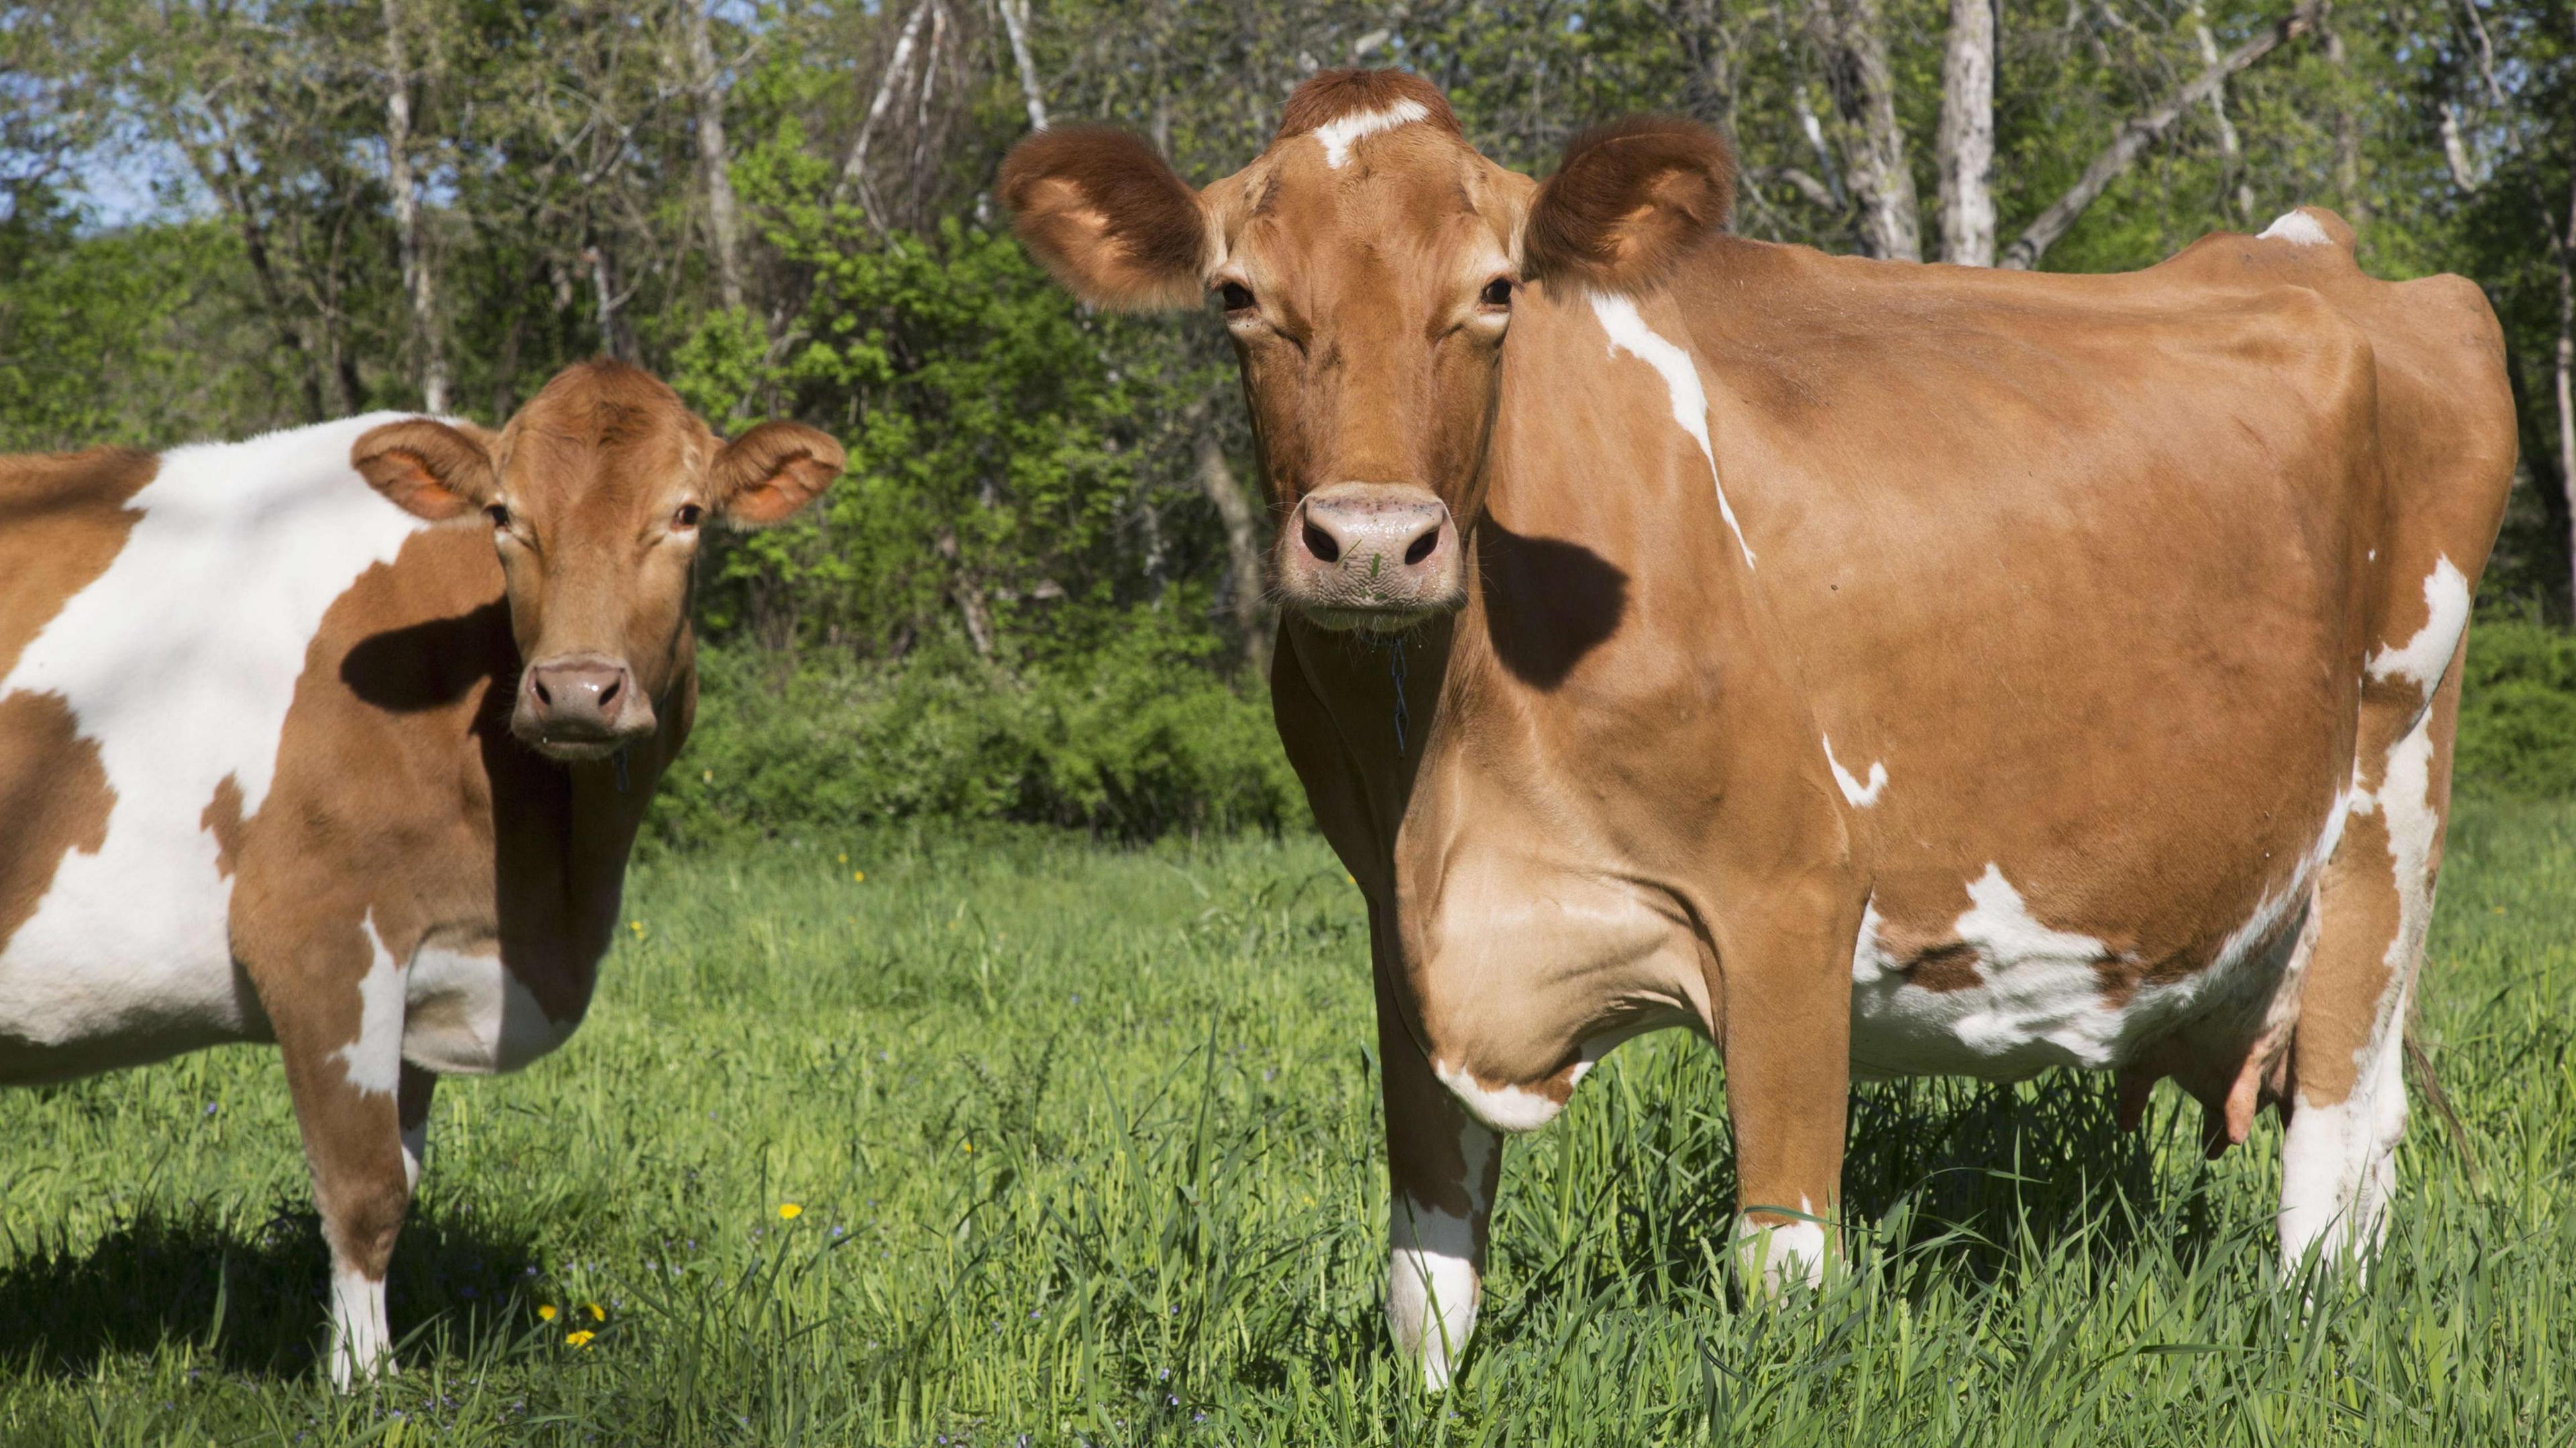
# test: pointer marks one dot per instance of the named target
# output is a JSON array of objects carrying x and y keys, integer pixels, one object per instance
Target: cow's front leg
[
  {"x": 340, "y": 1029},
  {"x": 1442, "y": 1165},
  {"x": 1785, "y": 1030}
]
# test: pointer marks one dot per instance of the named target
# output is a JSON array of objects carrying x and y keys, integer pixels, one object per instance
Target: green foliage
[
  {"x": 1136, "y": 738},
  {"x": 2518, "y": 709},
  {"x": 1085, "y": 1145}
]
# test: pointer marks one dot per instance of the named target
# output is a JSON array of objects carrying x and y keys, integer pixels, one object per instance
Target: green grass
[{"x": 1086, "y": 1148}]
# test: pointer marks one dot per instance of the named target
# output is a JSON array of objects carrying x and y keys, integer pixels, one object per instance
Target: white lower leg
[
  {"x": 1432, "y": 1288},
  {"x": 361, "y": 1338},
  {"x": 1771, "y": 1256},
  {"x": 2339, "y": 1166}
]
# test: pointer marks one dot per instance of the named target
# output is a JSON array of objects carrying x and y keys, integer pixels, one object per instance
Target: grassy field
[{"x": 1083, "y": 1149}]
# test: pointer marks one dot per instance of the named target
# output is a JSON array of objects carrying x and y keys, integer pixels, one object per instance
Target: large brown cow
[
  {"x": 281, "y": 762},
  {"x": 1882, "y": 669}
]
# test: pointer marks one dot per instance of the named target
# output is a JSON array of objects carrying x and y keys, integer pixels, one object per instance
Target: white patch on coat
[
  {"x": 1772, "y": 1257},
  {"x": 2038, "y": 999},
  {"x": 2296, "y": 227},
  {"x": 1629, "y": 333},
  {"x": 1504, "y": 1108},
  {"x": 1432, "y": 1286},
  {"x": 1339, "y": 135},
  {"x": 1860, "y": 796},
  {"x": 180, "y": 661},
  {"x": 468, "y": 1014},
  {"x": 374, "y": 1059},
  {"x": 2422, "y": 659},
  {"x": 415, "y": 1150},
  {"x": 362, "y": 1341},
  {"x": 2339, "y": 1161}
]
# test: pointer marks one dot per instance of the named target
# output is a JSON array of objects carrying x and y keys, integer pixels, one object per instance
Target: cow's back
[{"x": 159, "y": 614}]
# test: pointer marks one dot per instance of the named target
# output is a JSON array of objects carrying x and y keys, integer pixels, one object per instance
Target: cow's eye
[
  {"x": 688, "y": 516},
  {"x": 1497, "y": 293},
  {"x": 1235, "y": 295},
  {"x": 499, "y": 514}
]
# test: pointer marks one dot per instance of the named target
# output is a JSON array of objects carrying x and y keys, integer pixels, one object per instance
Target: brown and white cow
[
  {"x": 283, "y": 763},
  {"x": 1882, "y": 669}
]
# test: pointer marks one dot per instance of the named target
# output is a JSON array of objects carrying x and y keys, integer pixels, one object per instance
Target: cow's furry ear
[
  {"x": 1108, "y": 217},
  {"x": 428, "y": 468},
  {"x": 768, "y": 473},
  {"x": 1631, "y": 200}
]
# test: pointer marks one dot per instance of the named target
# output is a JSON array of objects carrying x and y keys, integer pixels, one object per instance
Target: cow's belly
[
  {"x": 126, "y": 959},
  {"x": 2006, "y": 994}
]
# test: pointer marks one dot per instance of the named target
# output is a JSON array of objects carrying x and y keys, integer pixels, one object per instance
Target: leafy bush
[
  {"x": 1138, "y": 738},
  {"x": 2518, "y": 709}
]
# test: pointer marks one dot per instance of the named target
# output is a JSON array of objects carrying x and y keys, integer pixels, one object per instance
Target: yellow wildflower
[
  {"x": 970, "y": 1146},
  {"x": 546, "y": 1313},
  {"x": 845, "y": 859},
  {"x": 579, "y": 1339},
  {"x": 597, "y": 1312},
  {"x": 789, "y": 1211},
  {"x": 857, "y": 875}
]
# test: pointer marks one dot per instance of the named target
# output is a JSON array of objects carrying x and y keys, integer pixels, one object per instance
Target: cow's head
[
  {"x": 597, "y": 492},
  {"x": 1368, "y": 263}
]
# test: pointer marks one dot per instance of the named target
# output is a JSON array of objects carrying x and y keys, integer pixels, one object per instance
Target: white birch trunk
[
  {"x": 419, "y": 285},
  {"x": 1967, "y": 137},
  {"x": 715, "y": 155}
]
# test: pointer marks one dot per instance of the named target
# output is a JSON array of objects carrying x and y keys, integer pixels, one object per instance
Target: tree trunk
[
  {"x": 1968, "y": 135},
  {"x": 715, "y": 155},
  {"x": 1854, "y": 41},
  {"x": 2347, "y": 119},
  {"x": 2229, "y": 144},
  {"x": 2140, "y": 131},
  {"x": 1015, "y": 19},
  {"x": 854, "y": 170},
  {"x": 2567, "y": 364},
  {"x": 1248, "y": 598},
  {"x": 419, "y": 284}
]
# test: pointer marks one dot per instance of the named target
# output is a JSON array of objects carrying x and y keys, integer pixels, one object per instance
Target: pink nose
[
  {"x": 1379, "y": 536},
  {"x": 579, "y": 697}
]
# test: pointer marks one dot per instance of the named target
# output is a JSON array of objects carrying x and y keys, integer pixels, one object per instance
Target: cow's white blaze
[
  {"x": 1861, "y": 796},
  {"x": 362, "y": 1341},
  {"x": 1771, "y": 1257},
  {"x": 374, "y": 1058},
  {"x": 2422, "y": 659},
  {"x": 1432, "y": 1287},
  {"x": 1629, "y": 333},
  {"x": 180, "y": 662},
  {"x": 1337, "y": 136},
  {"x": 467, "y": 1014},
  {"x": 2297, "y": 227}
]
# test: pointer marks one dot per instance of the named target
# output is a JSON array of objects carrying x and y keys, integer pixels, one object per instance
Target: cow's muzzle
[
  {"x": 580, "y": 706},
  {"x": 1376, "y": 556}
]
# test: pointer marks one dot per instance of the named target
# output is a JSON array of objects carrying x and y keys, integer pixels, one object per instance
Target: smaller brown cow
[{"x": 286, "y": 764}]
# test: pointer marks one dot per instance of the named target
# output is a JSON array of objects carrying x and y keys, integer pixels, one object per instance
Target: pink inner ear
[{"x": 405, "y": 480}]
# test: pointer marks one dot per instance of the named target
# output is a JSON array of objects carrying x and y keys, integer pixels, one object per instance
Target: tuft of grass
[{"x": 1085, "y": 1150}]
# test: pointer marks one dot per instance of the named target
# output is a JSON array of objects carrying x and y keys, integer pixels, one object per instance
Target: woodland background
[{"x": 1036, "y": 596}]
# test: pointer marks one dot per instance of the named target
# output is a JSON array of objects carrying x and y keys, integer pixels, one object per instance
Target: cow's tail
[{"x": 2428, "y": 1086}]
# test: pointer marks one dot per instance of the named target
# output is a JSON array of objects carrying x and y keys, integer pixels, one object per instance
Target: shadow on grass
[{"x": 253, "y": 1300}]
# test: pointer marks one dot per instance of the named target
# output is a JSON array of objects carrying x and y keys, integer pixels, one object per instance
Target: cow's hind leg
[
  {"x": 2347, "y": 1107},
  {"x": 340, "y": 1029}
]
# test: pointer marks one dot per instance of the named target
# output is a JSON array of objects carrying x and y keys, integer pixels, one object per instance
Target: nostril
[
  {"x": 1421, "y": 547},
  {"x": 1321, "y": 544},
  {"x": 608, "y": 692},
  {"x": 544, "y": 695}
]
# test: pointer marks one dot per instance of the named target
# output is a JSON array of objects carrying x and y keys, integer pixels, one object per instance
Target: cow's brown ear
[
  {"x": 1632, "y": 198},
  {"x": 765, "y": 475},
  {"x": 1102, "y": 212},
  {"x": 427, "y": 468}
]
